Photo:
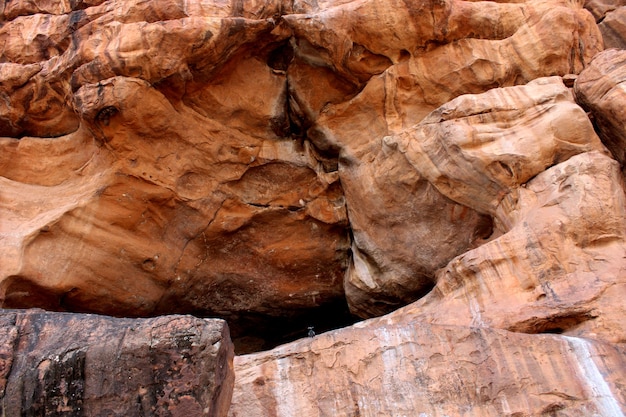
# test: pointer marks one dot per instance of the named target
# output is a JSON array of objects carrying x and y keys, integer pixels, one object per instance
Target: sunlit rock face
[
  {"x": 601, "y": 89},
  {"x": 152, "y": 166},
  {"x": 227, "y": 159},
  {"x": 456, "y": 165},
  {"x": 385, "y": 367},
  {"x": 555, "y": 263}
]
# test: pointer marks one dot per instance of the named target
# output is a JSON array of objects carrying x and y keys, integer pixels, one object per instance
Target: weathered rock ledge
[
  {"x": 408, "y": 367},
  {"x": 450, "y": 171}
]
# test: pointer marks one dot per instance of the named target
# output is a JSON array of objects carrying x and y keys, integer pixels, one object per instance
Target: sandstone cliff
[{"x": 456, "y": 167}]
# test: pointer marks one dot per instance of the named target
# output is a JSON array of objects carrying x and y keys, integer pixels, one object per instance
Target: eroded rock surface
[
  {"x": 79, "y": 364},
  {"x": 429, "y": 230},
  {"x": 600, "y": 89},
  {"x": 201, "y": 157},
  {"x": 385, "y": 367},
  {"x": 531, "y": 279},
  {"x": 173, "y": 177},
  {"x": 292, "y": 164},
  {"x": 559, "y": 207},
  {"x": 600, "y": 8},
  {"x": 613, "y": 28}
]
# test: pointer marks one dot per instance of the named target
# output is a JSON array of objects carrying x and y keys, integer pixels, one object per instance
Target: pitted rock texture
[{"x": 61, "y": 364}]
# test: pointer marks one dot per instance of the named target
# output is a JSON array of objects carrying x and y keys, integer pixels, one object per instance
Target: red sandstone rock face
[
  {"x": 385, "y": 367},
  {"x": 428, "y": 230},
  {"x": 76, "y": 364},
  {"x": 172, "y": 185},
  {"x": 600, "y": 8},
  {"x": 185, "y": 157},
  {"x": 546, "y": 200},
  {"x": 613, "y": 28},
  {"x": 277, "y": 164},
  {"x": 600, "y": 89}
]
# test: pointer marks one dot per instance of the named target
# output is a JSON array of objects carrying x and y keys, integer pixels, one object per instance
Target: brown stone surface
[
  {"x": 383, "y": 367},
  {"x": 601, "y": 90},
  {"x": 60, "y": 364},
  {"x": 292, "y": 164},
  {"x": 477, "y": 148},
  {"x": 170, "y": 184},
  {"x": 558, "y": 267},
  {"x": 208, "y": 151},
  {"x": 600, "y": 8},
  {"x": 428, "y": 230},
  {"x": 613, "y": 28}
]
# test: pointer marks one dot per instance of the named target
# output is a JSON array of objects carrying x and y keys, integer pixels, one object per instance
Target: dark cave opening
[{"x": 254, "y": 332}]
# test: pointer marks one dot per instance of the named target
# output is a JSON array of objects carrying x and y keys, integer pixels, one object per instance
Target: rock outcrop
[
  {"x": 611, "y": 18},
  {"x": 601, "y": 8},
  {"x": 385, "y": 367},
  {"x": 60, "y": 364},
  {"x": 457, "y": 166},
  {"x": 613, "y": 28},
  {"x": 382, "y": 194},
  {"x": 529, "y": 157},
  {"x": 600, "y": 89},
  {"x": 154, "y": 189},
  {"x": 208, "y": 153}
]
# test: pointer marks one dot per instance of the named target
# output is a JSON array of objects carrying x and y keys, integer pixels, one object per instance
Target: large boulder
[
  {"x": 613, "y": 28},
  {"x": 601, "y": 89},
  {"x": 61, "y": 364}
]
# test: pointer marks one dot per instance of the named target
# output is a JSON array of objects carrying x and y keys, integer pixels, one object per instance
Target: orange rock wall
[{"x": 457, "y": 166}]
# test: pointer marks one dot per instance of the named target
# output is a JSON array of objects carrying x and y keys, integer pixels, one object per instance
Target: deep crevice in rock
[{"x": 279, "y": 59}]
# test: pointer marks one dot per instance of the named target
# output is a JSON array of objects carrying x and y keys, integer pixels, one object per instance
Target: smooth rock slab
[{"x": 60, "y": 364}]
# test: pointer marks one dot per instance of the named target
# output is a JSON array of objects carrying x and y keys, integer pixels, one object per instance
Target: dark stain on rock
[
  {"x": 77, "y": 20},
  {"x": 56, "y": 386},
  {"x": 104, "y": 115}
]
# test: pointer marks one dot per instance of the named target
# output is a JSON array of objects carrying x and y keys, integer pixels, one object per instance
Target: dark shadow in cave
[{"x": 253, "y": 332}]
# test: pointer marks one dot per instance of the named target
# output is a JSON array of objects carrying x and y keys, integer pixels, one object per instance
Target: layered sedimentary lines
[
  {"x": 293, "y": 164},
  {"x": 415, "y": 368}
]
